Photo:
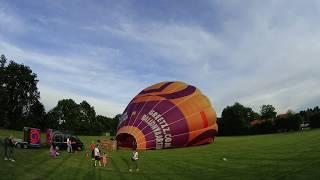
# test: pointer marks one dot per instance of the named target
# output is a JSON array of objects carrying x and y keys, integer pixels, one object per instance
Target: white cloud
[
  {"x": 9, "y": 22},
  {"x": 271, "y": 63},
  {"x": 182, "y": 44},
  {"x": 264, "y": 53},
  {"x": 50, "y": 97},
  {"x": 77, "y": 77}
]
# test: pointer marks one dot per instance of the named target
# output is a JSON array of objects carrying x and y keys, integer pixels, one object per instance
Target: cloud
[
  {"x": 50, "y": 96},
  {"x": 182, "y": 44},
  {"x": 263, "y": 54},
  {"x": 9, "y": 22},
  {"x": 273, "y": 57},
  {"x": 252, "y": 52},
  {"x": 75, "y": 76}
]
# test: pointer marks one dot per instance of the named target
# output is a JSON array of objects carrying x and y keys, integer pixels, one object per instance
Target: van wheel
[{"x": 25, "y": 146}]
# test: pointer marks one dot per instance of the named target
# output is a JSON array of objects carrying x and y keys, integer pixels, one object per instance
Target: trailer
[{"x": 31, "y": 138}]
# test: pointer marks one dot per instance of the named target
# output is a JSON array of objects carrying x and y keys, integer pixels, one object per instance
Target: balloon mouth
[{"x": 125, "y": 140}]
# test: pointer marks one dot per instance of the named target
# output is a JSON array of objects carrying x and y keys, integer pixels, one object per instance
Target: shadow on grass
[
  {"x": 89, "y": 163},
  {"x": 2, "y": 147},
  {"x": 28, "y": 164},
  {"x": 55, "y": 167},
  {"x": 117, "y": 169},
  {"x": 126, "y": 161}
]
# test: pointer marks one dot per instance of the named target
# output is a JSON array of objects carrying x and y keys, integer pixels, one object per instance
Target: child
[
  {"x": 87, "y": 155},
  {"x": 54, "y": 150},
  {"x": 97, "y": 156},
  {"x": 104, "y": 159},
  {"x": 57, "y": 151}
]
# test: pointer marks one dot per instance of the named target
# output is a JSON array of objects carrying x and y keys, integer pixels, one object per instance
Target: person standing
[
  {"x": 8, "y": 149},
  {"x": 68, "y": 149},
  {"x": 104, "y": 159},
  {"x": 134, "y": 160},
  {"x": 92, "y": 150},
  {"x": 97, "y": 156},
  {"x": 69, "y": 144},
  {"x": 52, "y": 150}
]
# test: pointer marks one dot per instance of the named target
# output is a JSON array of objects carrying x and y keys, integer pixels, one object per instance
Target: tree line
[
  {"x": 20, "y": 105},
  {"x": 240, "y": 120},
  {"x": 80, "y": 118}
]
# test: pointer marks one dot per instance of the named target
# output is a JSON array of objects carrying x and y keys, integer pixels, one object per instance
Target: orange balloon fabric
[{"x": 167, "y": 115}]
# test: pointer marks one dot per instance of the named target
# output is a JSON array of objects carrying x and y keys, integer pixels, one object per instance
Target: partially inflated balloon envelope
[{"x": 167, "y": 115}]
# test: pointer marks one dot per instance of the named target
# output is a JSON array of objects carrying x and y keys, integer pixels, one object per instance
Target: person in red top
[{"x": 92, "y": 150}]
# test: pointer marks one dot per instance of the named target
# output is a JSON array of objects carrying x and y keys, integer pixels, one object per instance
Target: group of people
[
  {"x": 96, "y": 155},
  {"x": 102, "y": 159},
  {"x": 54, "y": 149}
]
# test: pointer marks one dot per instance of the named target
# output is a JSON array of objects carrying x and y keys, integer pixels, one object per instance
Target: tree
[
  {"x": 87, "y": 117},
  {"x": 71, "y": 114},
  {"x": 20, "y": 85},
  {"x": 288, "y": 121},
  {"x": 36, "y": 117},
  {"x": 78, "y": 118},
  {"x": 106, "y": 123},
  {"x": 263, "y": 127},
  {"x": 3, "y": 93},
  {"x": 315, "y": 120},
  {"x": 67, "y": 114},
  {"x": 52, "y": 119},
  {"x": 294, "y": 121},
  {"x": 253, "y": 115},
  {"x": 114, "y": 124},
  {"x": 268, "y": 112},
  {"x": 235, "y": 120},
  {"x": 306, "y": 114}
]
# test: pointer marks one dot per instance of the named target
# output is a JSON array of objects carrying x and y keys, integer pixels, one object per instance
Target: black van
[{"x": 60, "y": 139}]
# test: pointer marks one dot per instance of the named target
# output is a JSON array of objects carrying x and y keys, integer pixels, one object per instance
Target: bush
[
  {"x": 263, "y": 127},
  {"x": 288, "y": 122},
  {"x": 315, "y": 120}
]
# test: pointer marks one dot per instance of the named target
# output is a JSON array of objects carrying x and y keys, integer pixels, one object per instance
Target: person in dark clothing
[{"x": 8, "y": 148}]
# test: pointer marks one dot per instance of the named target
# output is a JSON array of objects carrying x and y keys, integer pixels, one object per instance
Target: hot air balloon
[{"x": 167, "y": 115}]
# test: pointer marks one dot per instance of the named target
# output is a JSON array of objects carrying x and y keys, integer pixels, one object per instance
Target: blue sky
[{"x": 105, "y": 52}]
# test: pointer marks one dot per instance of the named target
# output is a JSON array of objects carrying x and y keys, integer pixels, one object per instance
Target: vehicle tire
[{"x": 25, "y": 146}]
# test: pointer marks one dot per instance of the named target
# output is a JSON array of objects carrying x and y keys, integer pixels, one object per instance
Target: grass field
[{"x": 294, "y": 155}]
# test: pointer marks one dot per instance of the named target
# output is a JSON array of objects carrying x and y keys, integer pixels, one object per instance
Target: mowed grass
[{"x": 294, "y": 155}]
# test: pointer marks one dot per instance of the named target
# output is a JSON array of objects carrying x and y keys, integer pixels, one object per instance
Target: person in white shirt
[
  {"x": 134, "y": 159},
  {"x": 97, "y": 155},
  {"x": 69, "y": 144}
]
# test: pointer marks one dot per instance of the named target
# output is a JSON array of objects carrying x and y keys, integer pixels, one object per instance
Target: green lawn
[{"x": 293, "y": 155}]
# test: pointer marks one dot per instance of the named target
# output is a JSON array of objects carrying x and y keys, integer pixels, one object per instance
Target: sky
[{"x": 107, "y": 51}]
